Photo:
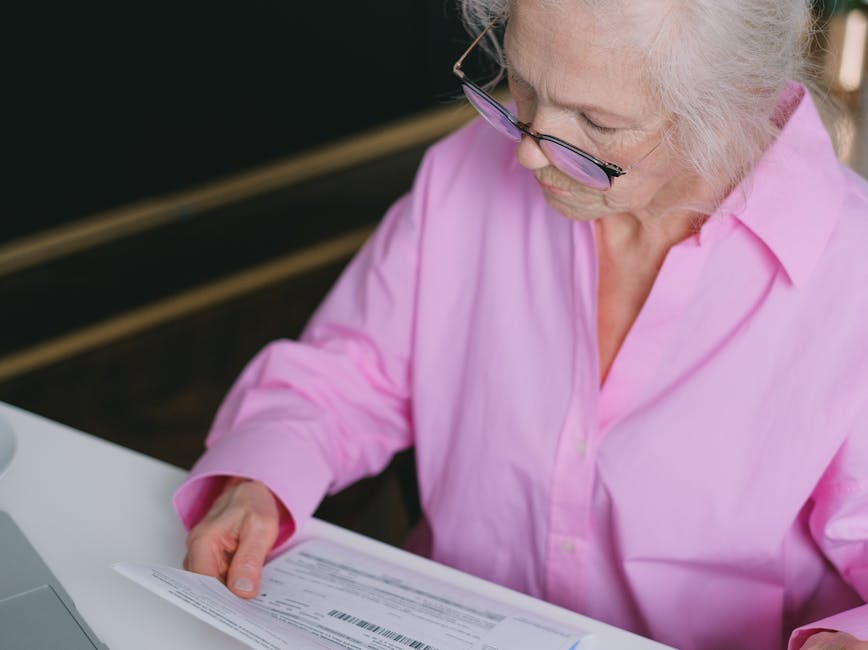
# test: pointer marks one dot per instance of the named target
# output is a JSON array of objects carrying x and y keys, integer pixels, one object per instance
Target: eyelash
[{"x": 597, "y": 127}]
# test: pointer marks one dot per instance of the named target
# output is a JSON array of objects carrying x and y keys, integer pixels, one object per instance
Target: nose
[{"x": 529, "y": 154}]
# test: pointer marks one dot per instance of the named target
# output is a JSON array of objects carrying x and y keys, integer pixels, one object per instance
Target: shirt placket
[
  {"x": 573, "y": 474},
  {"x": 594, "y": 411}
]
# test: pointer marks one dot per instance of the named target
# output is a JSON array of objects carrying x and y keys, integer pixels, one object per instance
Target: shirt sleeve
[
  {"x": 839, "y": 525},
  {"x": 310, "y": 417}
]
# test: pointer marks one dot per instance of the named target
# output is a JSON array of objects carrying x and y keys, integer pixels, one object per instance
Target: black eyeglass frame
[{"x": 611, "y": 170}]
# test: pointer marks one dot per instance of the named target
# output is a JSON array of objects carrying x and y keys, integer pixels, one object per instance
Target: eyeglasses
[{"x": 572, "y": 161}]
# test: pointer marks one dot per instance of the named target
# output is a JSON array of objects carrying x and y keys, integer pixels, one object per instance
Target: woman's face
[{"x": 569, "y": 80}]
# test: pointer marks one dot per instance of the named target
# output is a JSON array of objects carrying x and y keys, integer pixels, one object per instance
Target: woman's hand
[
  {"x": 234, "y": 538},
  {"x": 834, "y": 641}
]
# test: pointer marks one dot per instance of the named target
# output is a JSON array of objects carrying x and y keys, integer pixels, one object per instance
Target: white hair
[{"x": 716, "y": 68}]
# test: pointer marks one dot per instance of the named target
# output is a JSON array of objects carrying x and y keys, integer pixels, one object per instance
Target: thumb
[{"x": 256, "y": 538}]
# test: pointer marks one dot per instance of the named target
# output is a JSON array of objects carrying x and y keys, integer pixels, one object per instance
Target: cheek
[
  {"x": 641, "y": 184},
  {"x": 625, "y": 196},
  {"x": 583, "y": 203},
  {"x": 619, "y": 198}
]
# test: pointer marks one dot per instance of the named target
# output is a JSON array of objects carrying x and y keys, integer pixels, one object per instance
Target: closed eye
[
  {"x": 597, "y": 127},
  {"x": 522, "y": 87}
]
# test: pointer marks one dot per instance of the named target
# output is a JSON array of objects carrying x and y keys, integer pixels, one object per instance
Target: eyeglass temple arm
[
  {"x": 636, "y": 162},
  {"x": 457, "y": 67}
]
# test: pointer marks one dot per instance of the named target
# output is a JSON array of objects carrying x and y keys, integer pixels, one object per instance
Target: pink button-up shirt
[{"x": 711, "y": 494}]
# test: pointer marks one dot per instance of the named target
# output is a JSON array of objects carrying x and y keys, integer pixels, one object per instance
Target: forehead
[{"x": 580, "y": 52}]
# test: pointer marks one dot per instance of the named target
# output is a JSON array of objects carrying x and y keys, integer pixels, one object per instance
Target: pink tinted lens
[
  {"x": 491, "y": 114},
  {"x": 575, "y": 166}
]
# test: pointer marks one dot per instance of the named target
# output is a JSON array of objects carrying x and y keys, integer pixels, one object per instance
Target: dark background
[{"x": 113, "y": 102}]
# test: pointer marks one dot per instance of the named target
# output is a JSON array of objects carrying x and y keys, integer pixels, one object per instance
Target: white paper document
[{"x": 321, "y": 595}]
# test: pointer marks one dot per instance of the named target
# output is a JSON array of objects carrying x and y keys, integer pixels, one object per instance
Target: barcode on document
[{"x": 376, "y": 629}]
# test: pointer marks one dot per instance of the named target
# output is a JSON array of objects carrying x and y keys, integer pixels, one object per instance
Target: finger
[
  {"x": 206, "y": 552},
  {"x": 256, "y": 538},
  {"x": 833, "y": 641},
  {"x": 818, "y": 641}
]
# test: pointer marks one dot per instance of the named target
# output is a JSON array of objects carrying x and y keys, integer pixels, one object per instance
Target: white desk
[{"x": 85, "y": 503}]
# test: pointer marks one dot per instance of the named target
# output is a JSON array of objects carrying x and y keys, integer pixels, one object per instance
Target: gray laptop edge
[{"x": 36, "y": 613}]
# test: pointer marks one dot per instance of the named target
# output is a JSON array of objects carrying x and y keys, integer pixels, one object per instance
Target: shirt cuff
[
  {"x": 291, "y": 466},
  {"x": 853, "y": 621}
]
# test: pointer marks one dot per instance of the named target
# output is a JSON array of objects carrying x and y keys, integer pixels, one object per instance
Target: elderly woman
[{"x": 629, "y": 340}]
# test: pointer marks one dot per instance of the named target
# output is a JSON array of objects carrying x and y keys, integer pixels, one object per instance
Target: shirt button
[
  {"x": 581, "y": 447},
  {"x": 568, "y": 547}
]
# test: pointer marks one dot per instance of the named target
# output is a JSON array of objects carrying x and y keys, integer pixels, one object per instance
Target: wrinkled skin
[{"x": 234, "y": 538}]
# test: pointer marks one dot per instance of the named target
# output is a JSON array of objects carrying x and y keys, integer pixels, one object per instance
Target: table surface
[{"x": 85, "y": 503}]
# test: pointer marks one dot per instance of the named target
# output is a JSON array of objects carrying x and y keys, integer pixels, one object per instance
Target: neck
[{"x": 677, "y": 211}]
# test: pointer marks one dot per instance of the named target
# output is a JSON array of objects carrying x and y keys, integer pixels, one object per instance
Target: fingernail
[{"x": 244, "y": 584}]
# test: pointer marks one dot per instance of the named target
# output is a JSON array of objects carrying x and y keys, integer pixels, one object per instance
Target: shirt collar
[{"x": 792, "y": 198}]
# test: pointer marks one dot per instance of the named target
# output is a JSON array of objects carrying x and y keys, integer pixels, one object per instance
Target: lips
[{"x": 552, "y": 188}]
